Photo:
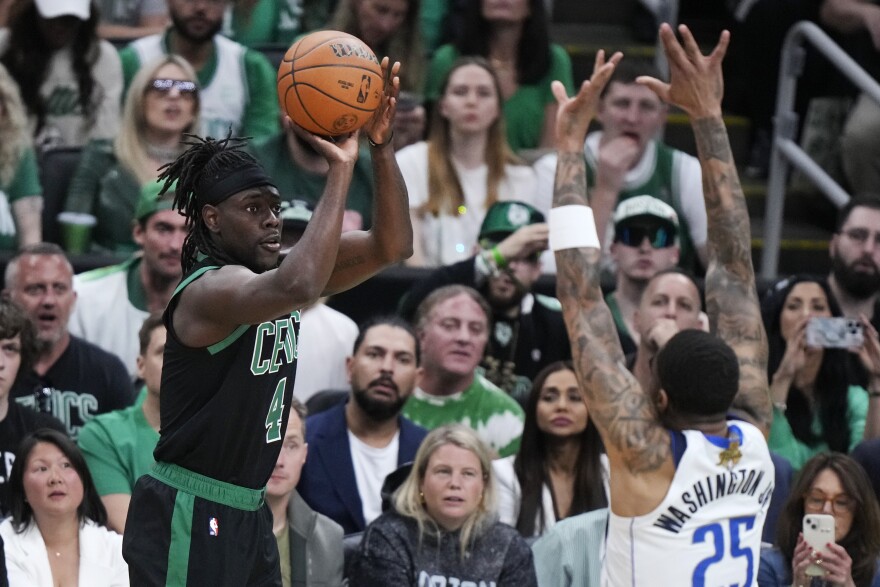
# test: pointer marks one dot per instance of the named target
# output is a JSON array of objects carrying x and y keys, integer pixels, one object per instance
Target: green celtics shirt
[
  {"x": 495, "y": 416},
  {"x": 118, "y": 448}
]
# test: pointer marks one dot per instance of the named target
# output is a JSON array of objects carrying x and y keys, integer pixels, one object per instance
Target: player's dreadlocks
[{"x": 208, "y": 172}]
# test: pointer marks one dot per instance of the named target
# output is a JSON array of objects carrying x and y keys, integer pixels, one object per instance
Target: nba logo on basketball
[{"x": 213, "y": 527}]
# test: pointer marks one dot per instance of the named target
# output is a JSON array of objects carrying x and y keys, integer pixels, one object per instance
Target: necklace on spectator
[{"x": 161, "y": 154}]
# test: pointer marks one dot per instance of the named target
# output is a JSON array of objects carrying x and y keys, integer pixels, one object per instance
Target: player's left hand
[
  {"x": 379, "y": 128},
  {"x": 696, "y": 82},
  {"x": 574, "y": 114}
]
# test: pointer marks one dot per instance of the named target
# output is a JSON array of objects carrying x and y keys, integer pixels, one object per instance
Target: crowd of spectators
[{"x": 471, "y": 380}]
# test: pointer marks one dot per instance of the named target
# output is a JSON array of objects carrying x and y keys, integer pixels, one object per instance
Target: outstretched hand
[
  {"x": 696, "y": 83},
  {"x": 379, "y": 128},
  {"x": 574, "y": 114}
]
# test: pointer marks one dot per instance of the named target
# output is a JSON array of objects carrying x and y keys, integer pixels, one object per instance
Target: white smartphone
[
  {"x": 818, "y": 532},
  {"x": 836, "y": 333}
]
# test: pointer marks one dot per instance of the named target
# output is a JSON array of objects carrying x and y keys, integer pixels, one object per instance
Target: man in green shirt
[
  {"x": 118, "y": 446},
  {"x": 453, "y": 328},
  {"x": 301, "y": 174}
]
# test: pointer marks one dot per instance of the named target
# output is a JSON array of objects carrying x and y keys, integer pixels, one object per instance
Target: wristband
[
  {"x": 499, "y": 259},
  {"x": 572, "y": 227},
  {"x": 374, "y": 144}
]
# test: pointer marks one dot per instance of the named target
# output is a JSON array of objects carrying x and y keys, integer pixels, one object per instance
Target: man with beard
[
  {"x": 855, "y": 258},
  {"x": 301, "y": 173},
  {"x": 237, "y": 84},
  {"x": 114, "y": 301},
  {"x": 70, "y": 378},
  {"x": 528, "y": 332},
  {"x": 355, "y": 445}
]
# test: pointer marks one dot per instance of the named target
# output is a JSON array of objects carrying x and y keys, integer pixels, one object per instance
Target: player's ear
[
  {"x": 210, "y": 217},
  {"x": 662, "y": 400}
]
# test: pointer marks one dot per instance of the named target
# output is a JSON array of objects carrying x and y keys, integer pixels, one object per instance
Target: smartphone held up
[
  {"x": 836, "y": 333},
  {"x": 818, "y": 533}
]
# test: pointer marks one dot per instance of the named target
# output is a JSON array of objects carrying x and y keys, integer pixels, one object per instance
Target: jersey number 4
[
  {"x": 716, "y": 532},
  {"x": 276, "y": 413}
]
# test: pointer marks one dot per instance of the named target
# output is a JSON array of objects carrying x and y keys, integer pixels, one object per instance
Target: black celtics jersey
[{"x": 224, "y": 408}]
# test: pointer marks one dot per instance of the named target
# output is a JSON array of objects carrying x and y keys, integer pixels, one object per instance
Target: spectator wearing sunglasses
[
  {"x": 645, "y": 243},
  {"x": 237, "y": 84},
  {"x": 162, "y": 105},
  {"x": 527, "y": 332}
]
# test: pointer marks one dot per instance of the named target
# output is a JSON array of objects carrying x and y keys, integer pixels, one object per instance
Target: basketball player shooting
[
  {"x": 199, "y": 517},
  {"x": 686, "y": 481}
]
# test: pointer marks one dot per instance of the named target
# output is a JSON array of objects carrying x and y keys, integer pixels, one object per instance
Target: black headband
[{"x": 216, "y": 189}]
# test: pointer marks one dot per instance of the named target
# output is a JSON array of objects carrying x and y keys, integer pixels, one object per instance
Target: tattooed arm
[
  {"x": 637, "y": 446},
  {"x": 731, "y": 297}
]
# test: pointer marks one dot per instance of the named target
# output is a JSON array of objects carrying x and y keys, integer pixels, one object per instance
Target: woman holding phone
[
  {"x": 817, "y": 403},
  {"x": 835, "y": 485}
]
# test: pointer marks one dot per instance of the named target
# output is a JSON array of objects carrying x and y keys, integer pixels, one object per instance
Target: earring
[{"x": 422, "y": 496}]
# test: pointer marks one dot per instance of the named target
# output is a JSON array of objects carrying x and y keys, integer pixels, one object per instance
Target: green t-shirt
[
  {"x": 25, "y": 182},
  {"x": 495, "y": 416},
  {"x": 783, "y": 442},
  {"x": 295, "y": 183},
  {"x": 524, "y": 110},
  {"x": 278, "y": 22},
  {"x": 118, "y": 448}
]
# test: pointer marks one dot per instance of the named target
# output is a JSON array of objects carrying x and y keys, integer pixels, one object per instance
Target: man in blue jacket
[{"x": 353, "y": 446}]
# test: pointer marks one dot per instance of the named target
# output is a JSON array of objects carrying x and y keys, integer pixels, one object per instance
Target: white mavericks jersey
[
  {"x": 707, "y": 530},
  {"x": 224, "y": 98}
]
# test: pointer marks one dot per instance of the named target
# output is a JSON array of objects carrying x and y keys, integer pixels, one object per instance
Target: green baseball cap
[
  {"x": 151, "y": 202},
  {"x": 504, "y": 218}
]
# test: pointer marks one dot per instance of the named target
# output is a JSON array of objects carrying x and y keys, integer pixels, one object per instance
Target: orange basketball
[{"x": 330, "y": 83}]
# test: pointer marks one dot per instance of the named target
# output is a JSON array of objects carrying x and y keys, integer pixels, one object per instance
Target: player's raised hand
[
  {"x": 696, "y": 83},
  {"x": 575, "y": 113},
  {"x": 341, "y": 149},
  {"x": 379, "y": 128}
]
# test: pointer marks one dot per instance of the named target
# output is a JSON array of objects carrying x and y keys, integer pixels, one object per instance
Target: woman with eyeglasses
[
  {"x": 834, "y": 484},
  {"x": 558, "y": 471},
  {"x": 162, "y": 104},
  {"x": 817, "y": 405},
  {"x": 463, "y": 168}
]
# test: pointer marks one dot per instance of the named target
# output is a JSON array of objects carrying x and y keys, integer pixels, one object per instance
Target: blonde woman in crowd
[
  {"x": 463, "y": 168},
  {"x": 443, "y": 525},
  {"x": 162, "y": 104},
  {"x": 21, "y": 199}
]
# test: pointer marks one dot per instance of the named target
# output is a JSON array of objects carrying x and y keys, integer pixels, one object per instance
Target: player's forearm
[
  {"x": 392, "y": 226},
  {"x": 305, "y": 271},
  {"x": 731, "y": 296},
  {"x": 594, "y": 342}
]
